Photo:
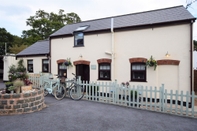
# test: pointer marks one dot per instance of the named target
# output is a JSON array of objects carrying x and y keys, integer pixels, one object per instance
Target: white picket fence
[{"x": 148, "y": 98}]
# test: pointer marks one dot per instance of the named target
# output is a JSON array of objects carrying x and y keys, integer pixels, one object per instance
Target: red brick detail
[
  {"x": 168, "y": 62},
  {"x": 61, "y": 61},
  {"x": 81, "y": 62},
  {"x": 104, "y": 60},
  {"x": 137, "y": 59}
]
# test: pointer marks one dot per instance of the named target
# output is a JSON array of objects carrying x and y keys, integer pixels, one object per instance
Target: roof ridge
[{"x": 126, "y": 14}]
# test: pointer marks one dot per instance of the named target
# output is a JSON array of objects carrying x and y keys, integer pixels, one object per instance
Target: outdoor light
[{"x": 167, "y": 54}]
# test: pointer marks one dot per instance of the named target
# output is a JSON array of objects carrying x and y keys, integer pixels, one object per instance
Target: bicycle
[
  {"x": 54, "y": 87},
  {"x": 76, "y": 91}
]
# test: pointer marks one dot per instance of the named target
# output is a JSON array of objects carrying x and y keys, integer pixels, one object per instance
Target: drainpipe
[
  {"x": 191, "y": 57},
  {"x": 112, "y": 50}
]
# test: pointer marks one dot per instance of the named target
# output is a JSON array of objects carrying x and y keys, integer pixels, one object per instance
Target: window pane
[
  {"x": 138, "y": 75},
  {"x": 30, "y": 61},
  {"x": 105, "y": 74},
  {"x": 79, "y": 39},
  {"x": 45, "y": 61}
]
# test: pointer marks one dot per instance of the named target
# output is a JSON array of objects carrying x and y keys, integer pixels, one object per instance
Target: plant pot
[{"x": 18, "y": 90}]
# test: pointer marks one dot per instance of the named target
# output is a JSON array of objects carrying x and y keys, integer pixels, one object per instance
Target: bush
[{"x": 135, "y": 94}]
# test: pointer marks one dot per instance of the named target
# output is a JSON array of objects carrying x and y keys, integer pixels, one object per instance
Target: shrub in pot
[
  {"x": 8, "y": 84},
  {"x": 17, "y": 84}
]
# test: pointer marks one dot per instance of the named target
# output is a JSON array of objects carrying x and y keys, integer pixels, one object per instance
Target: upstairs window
[
  {"x": 104, "y": 71},
  {"x": 79, "y": 39},
  {"x": 79, "y": 35},
  {"x": 45, "y": 65},
  {"x": 30, "y": 66},
  {"x": 138, "y": 72}
]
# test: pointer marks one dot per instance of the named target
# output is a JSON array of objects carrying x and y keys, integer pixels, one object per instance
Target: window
[
  {"x": 79, "y": 39},
  {"x": 62, "y": 70},
  {"x": 138, "y": 72},
  {"x": 45, "y": 65},
  {"x": 104, "y": 71},
  {"x": 30, "y": 66}
]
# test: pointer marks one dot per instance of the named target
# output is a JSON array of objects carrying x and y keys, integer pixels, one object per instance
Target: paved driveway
[{"x": 69, "y": 115}]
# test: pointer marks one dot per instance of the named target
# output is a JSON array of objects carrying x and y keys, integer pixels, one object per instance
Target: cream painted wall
[
  {"x": 37, "y": 63},
  {"x": 94, "y": 49},
  {"x": 156, "y": 42},
  {"x": 130, "y": 44}
]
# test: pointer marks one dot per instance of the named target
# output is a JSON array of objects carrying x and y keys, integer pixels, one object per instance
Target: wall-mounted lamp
[{"x": 167, "y": 54}]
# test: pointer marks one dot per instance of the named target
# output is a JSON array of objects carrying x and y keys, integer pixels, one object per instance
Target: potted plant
[
  {"x": 68, "y": 62},
  {"x": 151, "y": 62},
  {"x": 11, "y": 89},
  {"x": 17, "y": 84},
  {"x": 8, "y": 84},
  {"x": 134, "y": 94}
]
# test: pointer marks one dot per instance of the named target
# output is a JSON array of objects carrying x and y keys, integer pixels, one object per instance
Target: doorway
[{"x": 83, "y": 71}]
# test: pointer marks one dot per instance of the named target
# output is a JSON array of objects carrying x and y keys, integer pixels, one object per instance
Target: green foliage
[
  {"x": 151, "y": 62},
  {"x": 18, "y": 83},
  {"x": 8, "y": 84},
  {"x": 16, "y": 49},
  {"x": 135, "y": 94},
  {"x": 44, "y": 24},
  {"x": 5, "y": 37},
  {"x": 11, "y": 88},
  {"x": 18, "y": 71}
]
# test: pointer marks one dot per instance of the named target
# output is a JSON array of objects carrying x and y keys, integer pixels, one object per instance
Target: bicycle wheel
[
  {"x": 76, "y": 92},
  {"x": 59, "y": 92},
  {"x": 45, "y": 86}
]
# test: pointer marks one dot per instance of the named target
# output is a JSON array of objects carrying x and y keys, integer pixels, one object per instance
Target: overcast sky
[{"x": 13, "y": 14}]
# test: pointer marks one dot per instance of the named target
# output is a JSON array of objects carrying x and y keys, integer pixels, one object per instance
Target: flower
[
  {"x": 151, "y": 62},
  {"x": 125, "y": 84}
]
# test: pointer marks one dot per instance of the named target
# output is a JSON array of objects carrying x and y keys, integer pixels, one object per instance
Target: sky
[{"x": 13, "y": 14}]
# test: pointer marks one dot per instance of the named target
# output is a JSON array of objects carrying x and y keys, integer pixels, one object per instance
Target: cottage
[
  {"x": 36, "y": 57},
  {"x": 118, "y": 48}
]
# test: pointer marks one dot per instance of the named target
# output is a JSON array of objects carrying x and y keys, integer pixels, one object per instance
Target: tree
[
  {"x": 44, "y": 24},
  {"x": 5, "y": 37},
  {"x": 189, "y": 3}
]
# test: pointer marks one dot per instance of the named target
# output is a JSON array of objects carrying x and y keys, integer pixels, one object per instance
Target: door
[{"x": 83, "y": 71}]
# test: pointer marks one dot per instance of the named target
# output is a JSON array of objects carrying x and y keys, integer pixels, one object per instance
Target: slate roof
[
  {"x": 38, "y": 48},
  {"x": 173, "y": 14}
]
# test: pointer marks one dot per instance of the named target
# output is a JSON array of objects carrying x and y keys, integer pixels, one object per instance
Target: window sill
[
  {"x": 137, "y": 81},
  {"x": 104, "y": 80},
  {"x": 78, "y": 46}
]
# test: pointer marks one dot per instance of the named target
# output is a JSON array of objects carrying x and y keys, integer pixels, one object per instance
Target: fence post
[{"x": 162, "y": 97}]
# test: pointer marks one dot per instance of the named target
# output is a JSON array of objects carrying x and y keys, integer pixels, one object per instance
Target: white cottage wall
[
  {"x": 156, "y": 41},
  {"x": 37, "y": 63}
]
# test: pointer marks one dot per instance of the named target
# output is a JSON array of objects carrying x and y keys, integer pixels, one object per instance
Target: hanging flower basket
[
  {"x": 68, "y": 62},
  {"x": 151, "y": 63}
]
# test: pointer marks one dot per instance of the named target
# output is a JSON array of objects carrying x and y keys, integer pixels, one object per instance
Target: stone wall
[{"x": 21, "y": 103}]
